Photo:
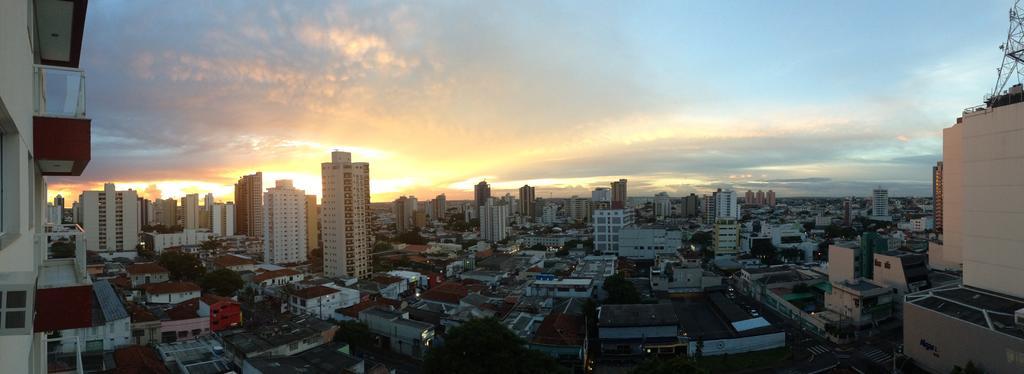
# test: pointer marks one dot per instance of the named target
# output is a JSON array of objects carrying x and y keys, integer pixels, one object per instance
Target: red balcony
[
  {"x": 63, "y": 288},
  {"x": 61, "y": 131}
]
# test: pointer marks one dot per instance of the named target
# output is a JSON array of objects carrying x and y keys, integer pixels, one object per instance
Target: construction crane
[{"x": 1013, "y": 52}]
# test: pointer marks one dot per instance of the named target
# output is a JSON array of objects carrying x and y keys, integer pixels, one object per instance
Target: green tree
[
  {"x": 210, "y": 245},
  {"x": 224, "y": 282},
  {"x": 411, "y": 237},
  {"x": 765, "y": 250},
  {"x": 485, "y": 346},
  {"x": 382, "y": 246},
  {"x": 701, "y": 239},
  {"x": 354, "y": 333},
  {"x": 63, "y": 249},
  {"x": 182, "y": 266},
  {"x": 621, "y": 290},
  {"x": 674, "y": 365}
]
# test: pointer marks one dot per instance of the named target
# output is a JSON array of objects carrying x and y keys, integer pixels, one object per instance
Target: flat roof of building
[
  {"x": 987, "y": 309},
  {"x": 637, "y": 315}
]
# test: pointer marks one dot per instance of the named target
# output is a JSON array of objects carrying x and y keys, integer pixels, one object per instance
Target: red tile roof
[
  {"x": 353, "y": 311},
  {"x": 170, "y": 287},
  {"x": 484, "y": 253},
  {"x": 267, "y": 275},
  {"x": 448, "y": 292},
  {"x": 560, "y": 329},
  {"x": 122, "y": 282},
  {"x": 227, "y": 261},
  {"x": 313, "y": 292},
  {"x": 184, "y": 310},
  {"x": 140, "y": 313},
  {"x": 146, "y": 268},
  {"x": 418, "y": 248},
  {"x": 137, "y": 359},
  {"x": 212, "y": 299},
  {"x": 385, "y": 280}
]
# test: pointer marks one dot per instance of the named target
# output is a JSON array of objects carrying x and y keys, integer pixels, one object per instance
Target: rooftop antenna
[{"x": 1013, "y": 51}]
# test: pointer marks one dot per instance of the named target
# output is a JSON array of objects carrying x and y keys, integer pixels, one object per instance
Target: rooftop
[
  {"x": 314, "y": 292},
  {"x": 263, "y": 338},
  {"x": 636, "y": 315},
  {"x": 271, "y": 274},
  {"x": 987, "y": 309},
  {"x": 232, "y": 260},
  {"x": 170, "y": 287},
  {"x": 323, "y": 359},
  {"x": 145, "y": 268}
]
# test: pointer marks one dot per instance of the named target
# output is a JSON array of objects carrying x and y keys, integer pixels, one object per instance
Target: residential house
[
  {"x": 406, "y": 336},
  {"x": 321, "y": 301},
  {"x": 147, "y": 272},
  {"x": 170, "y": 292},
  {"x": 224, "y": 313},
  {"x": 234, "y": 262}
]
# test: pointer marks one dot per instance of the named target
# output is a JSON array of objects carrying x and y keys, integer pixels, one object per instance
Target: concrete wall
[
  {"x": 922, "y": 328},
  {"x": 739, "y": 345}
]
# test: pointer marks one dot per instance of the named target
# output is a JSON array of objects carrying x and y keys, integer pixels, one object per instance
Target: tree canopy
[
  {"x": 411, "y": 237},
  {"x": 621, "y": 290},
  {"x": 354, "y": 333},
  {"x": 182, "y": 266},
  {"x": 485, "y": 346},
  {"x": 224, "y": 282}
]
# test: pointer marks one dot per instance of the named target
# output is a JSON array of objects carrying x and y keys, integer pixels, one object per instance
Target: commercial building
[
  {"x": 880, "y": 204},
  {"x": 726, "y": 237},
  {"x": 548, "y": 286},
  {"x": 619, "y": 194},
  {"x": 345, "y": 216},
  {"x": 110, "y": 219},
  {"x": 607, "y": 224},
  {"x": 284, "y": 224},
  {"x": 860, "y": 302},
  {"x": 249, "y": 205},
  {"x": 648, "y": 242},
  {"x": 405, "y": 336},
  {"x": 937, "y": 195},
  {"x": 622, "y": 333},
  {"x": 493, "y": 221},
  {"x": 527, "y": 195}
]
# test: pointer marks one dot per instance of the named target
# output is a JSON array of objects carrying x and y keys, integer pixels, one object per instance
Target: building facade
[
  {"x": 345, "y": 216},
  {"x": 284, "y": 224},
  {"x": 110, "y": 219},
  {"x": 607, "y": 224},
  {"x": 249, "y": 205},
  {"x": 493, "y": 221}
]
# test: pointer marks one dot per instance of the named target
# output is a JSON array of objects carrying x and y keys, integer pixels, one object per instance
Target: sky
[{"x": 808, "y": 98}]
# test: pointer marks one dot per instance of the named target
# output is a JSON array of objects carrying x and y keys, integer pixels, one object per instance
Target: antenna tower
[{"x": 1013, "y": 51}]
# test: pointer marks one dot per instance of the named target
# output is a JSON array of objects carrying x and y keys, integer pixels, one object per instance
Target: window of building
[{"x": 14, "y": 309}]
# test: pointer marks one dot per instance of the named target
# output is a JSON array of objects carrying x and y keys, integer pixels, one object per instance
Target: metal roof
[{"x": 110, "y": 302}]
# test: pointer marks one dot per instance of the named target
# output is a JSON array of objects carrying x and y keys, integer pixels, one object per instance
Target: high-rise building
[
  {"x": 725, "y": 204},
  {"x": 690, "y": 205},
  {"x": 166, "y": 212},
  {"x": 979, "y": 320},
  {"x": 110, "y": 220},
  {"x": 549, "y": 214},
  {"x": 403, "y": 214},
  {"x": 312, "y": 224},
  {"x": 284, "y": 224},
  {"x": 527, "y": 195},
  {"x": 579, "y": 208},
  {"x": 759, "y": 198},
  {"x": 937, "y": 195},
  {"x": 493, "y": 221},
  {"x": 771, "y": 198},
  {"x": 847, "y": 216},
  {"x": 607, "y": 223},
  {"x": 481, "y": 192},
  {"x": 440, "y": 207},
  {"x": 345, "y": 216},
  {"x": 662, "y": 205},
  {"x": 58, "y": 203},
  {"x": 748, "y": 198},
  {"x": 880, "y": 204},
  {"x": 45, "y": 132},
  {"x": 208, "y": 200},
  {"x": 222, "y": 219},
  {"x": 145, "y": 211},
  {"x": 726, "y": 237},
  {"x": 708, "y": 208},
  {"x": 190, "y": 205},
  {"x": 601, "y": 194},
  {"x": 619, "y": 195},
  {"x": 249, "y": 205}
]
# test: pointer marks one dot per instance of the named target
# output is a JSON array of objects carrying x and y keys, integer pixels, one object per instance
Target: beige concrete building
[
  {"x": 284, "y": 224},
  {"x": 312, "y": 224},
  {"x": 726, "y": 237},
  {"x": 860, "y": 302},
  {"x": 110, "y": 219},
  {"x": 345, "y": 216}
]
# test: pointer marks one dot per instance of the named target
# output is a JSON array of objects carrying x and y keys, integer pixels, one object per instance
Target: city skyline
[{"x": 406, "y": 89}]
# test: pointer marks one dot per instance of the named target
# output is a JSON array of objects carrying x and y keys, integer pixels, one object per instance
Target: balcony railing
[
  {"x": 59, "y": 92},
  {"x": 64, "y": 245}
]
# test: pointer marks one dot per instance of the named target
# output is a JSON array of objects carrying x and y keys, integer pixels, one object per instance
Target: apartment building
[{"x": 345, "y": 216}]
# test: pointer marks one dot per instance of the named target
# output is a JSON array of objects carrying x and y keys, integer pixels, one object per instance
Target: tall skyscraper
[
  {"x": 725, "y": 204},
  {"x": 771, "y": 198},
  {"x": 403, "y": 214},
  {"x": 312, "y": 224},
  {"x": 527, "y": 195},
  {"x": 222, "y": 219},
  {"x": 759, "y": 198},
  {"x": 493, "y": 221},
  {"x": 166, "y": 212},
  {"x": 208, "y": 200},
  {"x": 284, "y": 224},
  {"x": 937, "y": 195},
  {"x": 145, "y": 211},
  {"x": 847, "y": 216},
  {"x": 708, "y": 208},
  {"x": 662, "y": 204},
  {"x": 619, "y": 195},
  {"x": 190, "y": 205},
  {"x": 58, "y": 203},
  {"x": 579, "y": 208},
  {"x": 440, "y": 207},
  {"x": 748, "y": 198},
  {"x": 249, "y": 205},
  {"x": 110, "y": 220},
  {"x": 345, "y": 216},
  {"x": 481, "y": 192},
  {"x": 880, "y": 204},
  {"x": 690, "y": 205}
]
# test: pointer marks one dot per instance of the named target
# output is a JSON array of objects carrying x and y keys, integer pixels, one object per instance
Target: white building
[
  {"x": 345, "y": 216},
  {"x": 579, "y": 208},
  {"x": 725, "y": 204},
  {"x": 493, "y": 221},
  {"x": 170, "y": 292},
  {"x": 321, "y": 301},
  {"x": 549, "y": 214},
  {"x": 647, "y": 242},
  {"x": 222, "y": 219},
  {"x": 159, "y": 242},
  {"x": 110, "y": 219},
  {"x": 111, "y": 323},
  {"x": 601, "y": 194},
  {"x": 607, "y": 223},
  {"x": 284, "y": 224},
  {"x": 662, "y": 205},
  {"x": 561, "y": 288},
  {"x": 880, "y": 204}
]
